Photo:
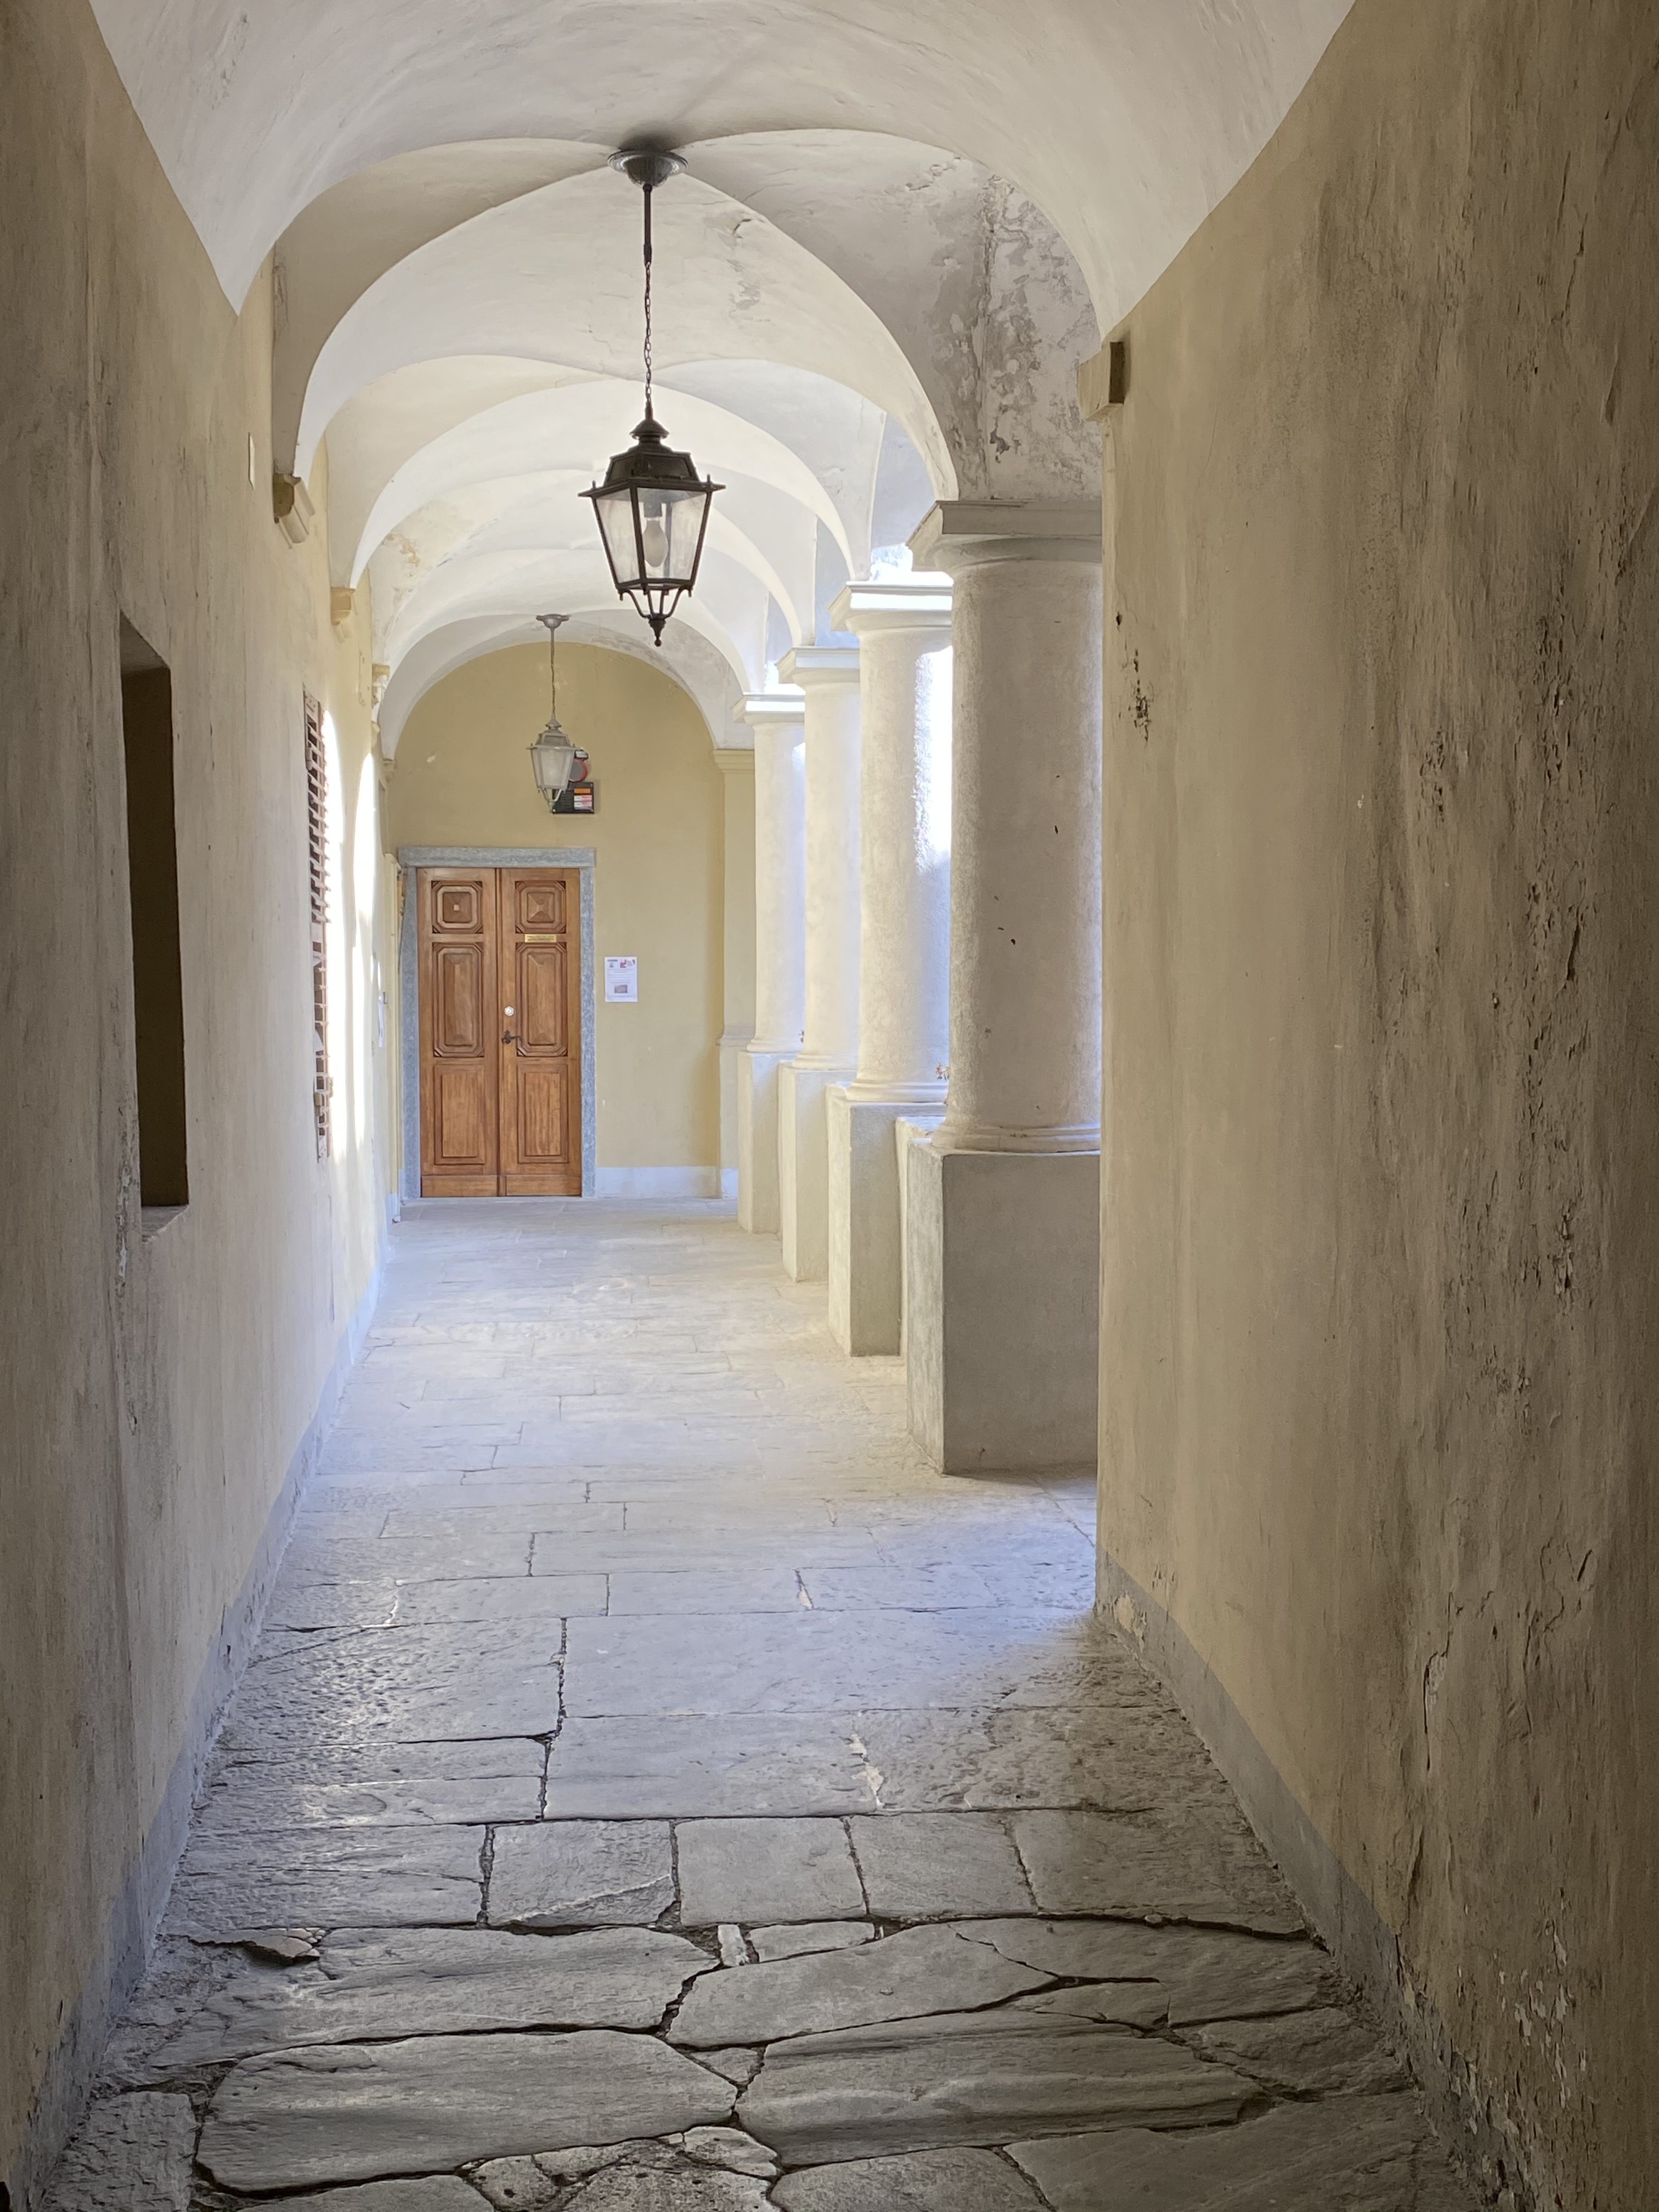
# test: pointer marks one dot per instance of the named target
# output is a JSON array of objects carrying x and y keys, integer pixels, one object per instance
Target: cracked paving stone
[
  {"x": 1125, "y": 2005},
  {"x": 1342, "y": 2155},
  {"x": 1114, "y": 1757},
  {"x": 1205, "y": 1973},
  {"x": 766, "y": 1870},
  {"x": 980, "y": 2078},
  {"x": 736, "y": 2064},
  {"x": 925, "y": 1866},
  {"x": 130, "y": 2154},
  {"x": 299, "y": 2119},
  {"x": 917, "y": 1972},
  {"x": 1306, "y": 2053},
  {"x": 464, "y": 1680},
  {"x": 367, "y": 1877},
  {"x": 917, "y": 2181},
  {"x": 792, "y": 1941},
  {"x": 436, "y": 2192},
  {"x": 1180, "y": 1863},
  {"x": 572, "y": 1874},
  {"x": 376, "y": 1987}
]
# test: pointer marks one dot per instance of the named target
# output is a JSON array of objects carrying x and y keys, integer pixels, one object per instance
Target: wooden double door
[{"x": 501, "y": 1032}]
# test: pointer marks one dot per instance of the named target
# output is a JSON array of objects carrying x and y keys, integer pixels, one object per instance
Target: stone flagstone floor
[{"x": 654, "y": 1790}]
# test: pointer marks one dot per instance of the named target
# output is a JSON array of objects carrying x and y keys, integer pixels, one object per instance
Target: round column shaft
[
  {"x": 1026, "y": 838},
  {"x": 828, "y": 677},
  {"x": 780, "y": 873}
]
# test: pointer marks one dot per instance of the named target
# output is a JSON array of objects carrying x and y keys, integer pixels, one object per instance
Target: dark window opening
[
  {"x": 158, "y": 999},
  {"x": 317, "y": 824}
]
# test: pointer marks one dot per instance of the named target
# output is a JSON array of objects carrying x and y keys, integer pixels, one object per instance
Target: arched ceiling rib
[{"x": 1125, "y": 123}]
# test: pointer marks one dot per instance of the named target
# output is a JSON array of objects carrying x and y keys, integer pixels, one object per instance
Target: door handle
[{"x": 507, "y": 1037}]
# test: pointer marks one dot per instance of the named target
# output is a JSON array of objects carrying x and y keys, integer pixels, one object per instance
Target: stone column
[
  {"x": 828, "y": 677},
  {"x": 737, "y": 767},
  {"x": 1003, "y": 1211},
  {"x": 775, "y": 718},
  {"x": 903, "y": 628}
]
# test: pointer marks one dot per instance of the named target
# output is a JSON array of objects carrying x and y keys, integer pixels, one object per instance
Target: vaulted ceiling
[{"x": 905, "y": 223}]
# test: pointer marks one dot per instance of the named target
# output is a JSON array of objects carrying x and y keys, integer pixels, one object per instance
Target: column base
[
  {"x": 1003, "y": 1331},
  {"x": 803, "y": 1169},
  {"x": 758, "y": 1141},
  {"x": 865, "y": 1231}
]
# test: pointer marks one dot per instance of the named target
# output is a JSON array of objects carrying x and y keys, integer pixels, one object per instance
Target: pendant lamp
[
  {"x": 554, "y": 754},
  {"x": 652, "y": 507}
]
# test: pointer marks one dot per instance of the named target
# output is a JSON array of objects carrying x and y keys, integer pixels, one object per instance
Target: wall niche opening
[{"x": 158, "y": 999}]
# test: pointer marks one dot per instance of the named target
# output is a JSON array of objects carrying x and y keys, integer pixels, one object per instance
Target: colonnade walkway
[{"x": 655, "y": 1790}]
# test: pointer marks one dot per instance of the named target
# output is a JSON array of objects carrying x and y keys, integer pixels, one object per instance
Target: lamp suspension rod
[{"x": 649, "y": 188}]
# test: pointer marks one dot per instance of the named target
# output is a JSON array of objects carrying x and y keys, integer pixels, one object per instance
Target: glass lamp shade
[
  {"x": 653, "y": 509},
  {"x": 552, "y": 758}
]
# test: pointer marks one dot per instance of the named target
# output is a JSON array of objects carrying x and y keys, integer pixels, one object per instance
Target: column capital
[
  {"x": 821, "y": 667},
  {"x": 911, "y": 603},
  {"x": 772, "y": 710},
  {"x": 737, "y": 759},
  {"x": 968, "y": 533}
]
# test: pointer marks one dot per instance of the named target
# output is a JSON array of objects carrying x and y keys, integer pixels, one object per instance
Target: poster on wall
[{"x": 621, "y": 979}]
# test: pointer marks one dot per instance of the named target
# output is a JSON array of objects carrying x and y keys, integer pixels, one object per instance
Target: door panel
[
  {"x": 460, "y": 1066},
  {"x": 541, "y": 1054},
  {"x": 501, "y": 1045}
]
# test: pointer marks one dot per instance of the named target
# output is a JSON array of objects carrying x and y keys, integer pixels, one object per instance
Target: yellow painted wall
[
  {"x": 154, "y": 1391},
  {"x": 462, "y": 777},
  {"x": 1379, "y": 1316}
]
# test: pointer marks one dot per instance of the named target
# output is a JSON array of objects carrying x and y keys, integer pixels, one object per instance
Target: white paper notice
[{"x": 621, "y": 978}]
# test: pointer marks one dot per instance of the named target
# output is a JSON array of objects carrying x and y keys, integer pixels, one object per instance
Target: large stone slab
[
  {"x": 129, "y": 2154},
  {"x": 1120, "y": 1755},
  {"x": 923, "y": 1866},
  {"x": 576, "y": 1874},
  {"x": 917, "y": 2181},
  {"x": 462, "y": 1679},
  {"x": 299, "y": 2120},
  {"x": 378, "y": 1986},
  {"x": 1181, "y": 1861},
  {"x": 766, "y": 1870},
  {"x": 437, "y": 2192},
  {"x": 1203, "y": 1974},
  {"x": 1309, "y": 2053},
  {"x": 365, "y": 1877},
  {"x": 670, "y": 1765},
  {"x": 778, "y": 1662},
  {"x": 974, "y": 2078},
  {"x": 526, "y": 1598},
  {"x": 1343, "y": 2154},
  {"x": 917, "y": 1972}
]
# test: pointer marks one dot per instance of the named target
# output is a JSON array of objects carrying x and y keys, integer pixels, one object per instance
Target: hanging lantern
[
  {"x": 553, "y": 756},
  {"x": 652, "y": 507}
]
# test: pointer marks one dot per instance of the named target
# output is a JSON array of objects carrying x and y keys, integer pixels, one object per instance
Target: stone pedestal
[
  {"x": 1003, "y": 1222},
  {"x": 775, "y": 718},
  {"x": 1003, "y": 1333},
  {"x": 904, "y": 903},
  {"x": 737, "y": 766},
  {"x": 828, "y": 678}
]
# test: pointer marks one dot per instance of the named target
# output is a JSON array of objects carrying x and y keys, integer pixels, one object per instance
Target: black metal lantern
[
  {"x": 652, "y": 507},
  {"x": 553, "y": 756}
]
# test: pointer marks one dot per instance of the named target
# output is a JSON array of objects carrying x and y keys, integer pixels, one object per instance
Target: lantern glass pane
[
  {"x": 685, "y": 529},
  {"x": 615, "y": 513}
]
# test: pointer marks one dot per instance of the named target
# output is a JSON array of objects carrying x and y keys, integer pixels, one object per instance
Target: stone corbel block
[
  {"x": 1102, "y": 381},
  {"x": 291, "y": 507}
]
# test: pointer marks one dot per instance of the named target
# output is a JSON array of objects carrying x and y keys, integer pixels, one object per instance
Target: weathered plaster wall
[
  {"x": 1380, "y": 1392},
  {"x": 155, "y": 1393},
  {"x": 463, "y": 778}
]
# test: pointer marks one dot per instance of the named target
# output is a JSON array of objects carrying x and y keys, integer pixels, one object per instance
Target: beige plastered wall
[
  {"x": 1380, "y": 1363},
  {"x": 157, "y": 1394},
  {"x": 462, "y": 777}
]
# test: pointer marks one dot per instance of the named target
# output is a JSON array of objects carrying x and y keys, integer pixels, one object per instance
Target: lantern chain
[{"x": 648, "y": 300}]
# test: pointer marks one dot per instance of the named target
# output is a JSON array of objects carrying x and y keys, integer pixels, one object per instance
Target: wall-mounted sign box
[
  {"x": 622, "y": 980},
  {"x": 577, "y": 798}
]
